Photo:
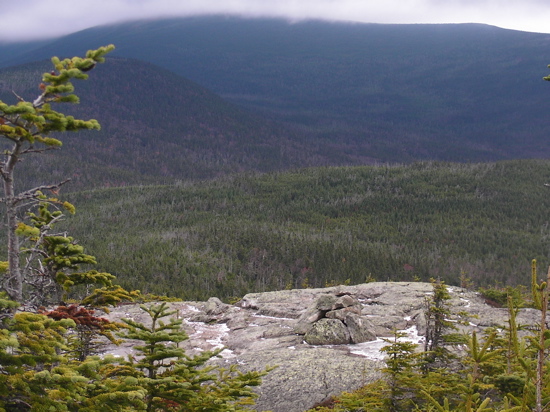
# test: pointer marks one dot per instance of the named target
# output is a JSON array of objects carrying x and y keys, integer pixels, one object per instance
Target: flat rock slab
[{"x": 306, "y": 375}]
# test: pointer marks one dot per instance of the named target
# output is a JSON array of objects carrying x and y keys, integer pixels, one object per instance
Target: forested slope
[
  {"x": 156, "y": 127},
  {"x": 244, "y": 233}
]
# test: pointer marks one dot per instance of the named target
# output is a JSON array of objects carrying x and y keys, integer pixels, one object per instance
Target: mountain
[
  {"x": 393, "y": 93},
  {"x": 156, "y": 127}
]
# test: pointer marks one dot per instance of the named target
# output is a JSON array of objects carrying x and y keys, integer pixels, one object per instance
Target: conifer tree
[
  {"x": 475, "y": 388},
  {"x": 525, "y": 382},
  {"x": 89, "y": 330},
  {"x": 402, "y": 380},
  {"x": 171, "y": 380},
  {"x": 26, "y": 128},
  {"x": 440, "y": 321},
  {"x": 45, "y": 366},
  {"x": 533, "y": 354},
  {"x": 52, "y": 265},
  {"x": 30, "y": 349}
]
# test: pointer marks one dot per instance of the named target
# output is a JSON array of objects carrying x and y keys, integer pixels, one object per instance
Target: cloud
[{"x": 36, "y": 19}]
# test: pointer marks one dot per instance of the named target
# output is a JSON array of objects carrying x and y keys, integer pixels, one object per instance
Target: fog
[{"x": 40, "y": 19}]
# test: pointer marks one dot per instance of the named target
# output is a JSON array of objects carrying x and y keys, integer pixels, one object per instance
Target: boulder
[
  {"x": 283, "y": 303},
  {"x": 360, "y": 329},
  {"x": 344, "y": 302},
  {"x": 210, "y": 311},
  {"x": 239, "y": 321},
  {"x": 215, "y": 306},
  {"x": 419, "y": 319},
  {"x": 326, "y": 302},
  {"x": 327, "y": 332},
  {"x": 323, "y": 304},
  {"x": 342, "y": 313},
  {"x": 310, "y": 316}
]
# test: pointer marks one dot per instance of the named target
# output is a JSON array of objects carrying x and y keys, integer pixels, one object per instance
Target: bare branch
[
  {"x": 39, "y": 101},
  {"x": 42, "y": 150},
  {"x": 18, "y": 97}
]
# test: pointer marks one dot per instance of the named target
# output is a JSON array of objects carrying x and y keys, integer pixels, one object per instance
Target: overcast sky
[{"x": 42, "y": 19}]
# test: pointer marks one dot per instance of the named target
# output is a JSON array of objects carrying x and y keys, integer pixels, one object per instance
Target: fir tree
[
  {"x": 402, "y": 380},
  {"x": 26, "y": 128},
  {"x": 172, "y": 380},
  {"x": 89, "y": 329},
  {"x": 31, "y": 348},
  {"x": 440, "y": 321}
]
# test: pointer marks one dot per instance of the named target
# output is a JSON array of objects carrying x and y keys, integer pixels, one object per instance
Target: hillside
[
  {"x": 390, "y": 92},
  {"x": 251, "y": 233},
  {"x": 156, "y": 127}
]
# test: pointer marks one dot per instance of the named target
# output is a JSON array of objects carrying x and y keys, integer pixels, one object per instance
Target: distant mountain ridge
[{"x": 356, "y": 92}]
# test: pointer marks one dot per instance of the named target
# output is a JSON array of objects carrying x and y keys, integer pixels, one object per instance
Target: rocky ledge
[{"x": 323, "y": 341}]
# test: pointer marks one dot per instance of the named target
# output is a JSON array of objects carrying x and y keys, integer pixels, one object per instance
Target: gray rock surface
[
  {"x": 270, "y": 329},
  {"x": 306, "y": 375}
]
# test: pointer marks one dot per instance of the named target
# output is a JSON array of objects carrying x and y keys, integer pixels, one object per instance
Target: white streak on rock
[
  {"x": 271, "y": 317},
  {"x": 217, "y": 341}
]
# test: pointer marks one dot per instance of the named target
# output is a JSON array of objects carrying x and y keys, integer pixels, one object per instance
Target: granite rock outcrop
[{"x": 322, "y": 341}]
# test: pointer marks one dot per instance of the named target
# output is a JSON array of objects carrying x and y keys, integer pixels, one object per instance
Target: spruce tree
[
  {"x": 172, "y": 380},
  {"x": 440, "y": 322},
  {"x": 31, "y": 348},
  {"x": 26, "y": 128},
  {"x": 52, "y": 264},
  {"x": 401, "y": 376}
]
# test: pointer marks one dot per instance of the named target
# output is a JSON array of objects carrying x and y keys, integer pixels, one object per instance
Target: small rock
[
  {"x": 326, "y": 302},
  {"x": 344, "y": 302}
]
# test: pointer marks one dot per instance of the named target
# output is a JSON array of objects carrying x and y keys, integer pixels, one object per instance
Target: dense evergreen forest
[{"x": 479, "y": 223}]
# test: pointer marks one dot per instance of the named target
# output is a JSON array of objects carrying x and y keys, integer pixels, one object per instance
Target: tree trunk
[{"x": 14, "y": 282}]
